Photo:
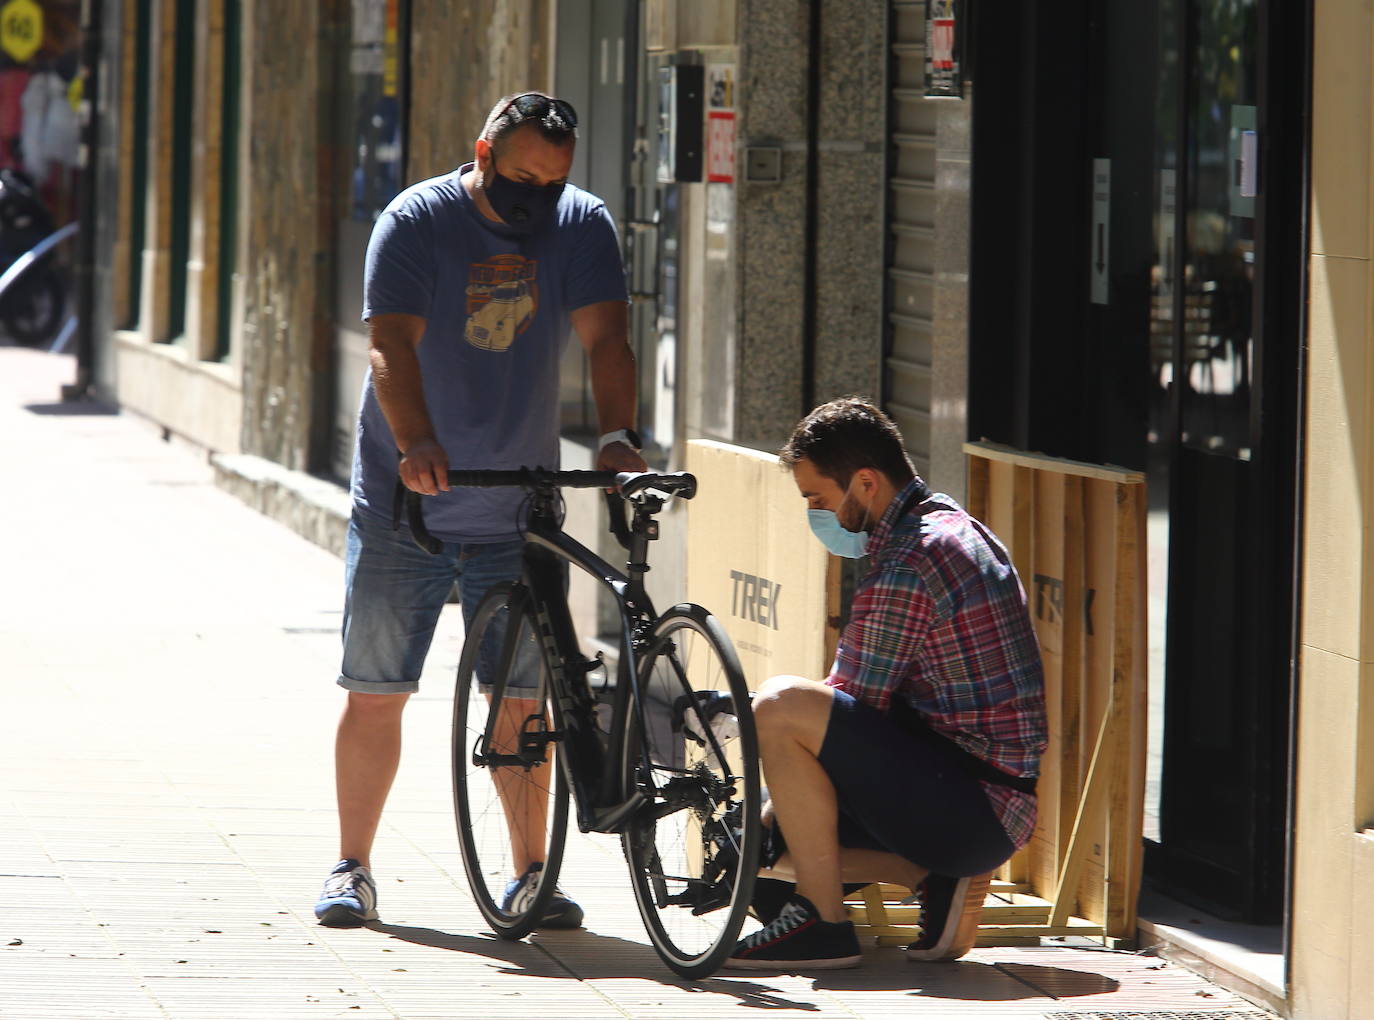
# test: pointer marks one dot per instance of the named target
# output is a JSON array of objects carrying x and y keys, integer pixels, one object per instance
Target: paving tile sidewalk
[{"x": 166, "y": 666}]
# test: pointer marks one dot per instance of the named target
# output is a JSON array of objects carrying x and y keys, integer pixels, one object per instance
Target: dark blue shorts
[{"x": 907, "y": 794}]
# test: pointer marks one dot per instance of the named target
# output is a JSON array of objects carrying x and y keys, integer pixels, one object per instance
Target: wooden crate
[{"x": 1076, "y": 533}]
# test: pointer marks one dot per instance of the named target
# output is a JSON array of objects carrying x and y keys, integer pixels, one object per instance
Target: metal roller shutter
[{"x": 911, "y": 233}]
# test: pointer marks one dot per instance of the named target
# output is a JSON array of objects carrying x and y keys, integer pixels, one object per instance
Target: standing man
[
  {"x": 472, "y": 281},
  {"x": 915, "y": 762}
]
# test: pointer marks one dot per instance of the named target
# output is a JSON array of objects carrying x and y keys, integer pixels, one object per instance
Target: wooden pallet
[
  {"x": 1012, "y": 916},
  {"x": 1076, "y": 533}
]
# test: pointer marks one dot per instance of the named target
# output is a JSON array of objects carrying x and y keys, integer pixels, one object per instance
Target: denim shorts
[
  {"x": 907, "y": 795},
  {"x": 394, "y": 593}
]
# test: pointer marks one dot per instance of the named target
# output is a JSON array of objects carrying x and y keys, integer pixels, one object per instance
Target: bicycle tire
[
  {"x": 692, "y": 894},
  {"x": 487, "y": 797}
]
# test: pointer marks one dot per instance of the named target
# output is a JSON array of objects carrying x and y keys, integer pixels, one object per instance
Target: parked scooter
[{"x": 31, "y": 307}]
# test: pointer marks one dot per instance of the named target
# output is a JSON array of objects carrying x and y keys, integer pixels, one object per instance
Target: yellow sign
[{"x": 21, "y": 29}]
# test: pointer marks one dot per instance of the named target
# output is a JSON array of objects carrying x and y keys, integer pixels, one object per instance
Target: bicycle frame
[
  {"x": 688, "y": 818},
  {"x": 596, "y": 767}
]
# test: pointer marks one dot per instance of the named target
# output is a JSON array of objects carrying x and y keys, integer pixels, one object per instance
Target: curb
[{"x": 314, "y": 508}]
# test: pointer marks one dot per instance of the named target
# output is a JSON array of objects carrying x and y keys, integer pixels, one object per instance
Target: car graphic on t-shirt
[{"x": 494, "y": 325}]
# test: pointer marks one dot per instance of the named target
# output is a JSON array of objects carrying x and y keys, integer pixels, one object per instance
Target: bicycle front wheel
[
  {"x": 509, "y": 793},
  {"x": 692, "y": 752}
]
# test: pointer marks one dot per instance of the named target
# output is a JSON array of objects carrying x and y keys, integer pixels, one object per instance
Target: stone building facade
[
  {"x": 864, "y": 238},
  {"x": 223, "y": 249}
]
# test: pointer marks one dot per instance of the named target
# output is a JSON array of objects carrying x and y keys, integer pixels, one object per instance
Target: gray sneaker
[
  {"x": 561, "y": 912},
  {"x": 349, "y": 898}
]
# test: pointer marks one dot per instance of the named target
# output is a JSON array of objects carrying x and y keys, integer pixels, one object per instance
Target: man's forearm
[
  {"x": 396, "y": 378},
  {"x": 613, "y": 385}
]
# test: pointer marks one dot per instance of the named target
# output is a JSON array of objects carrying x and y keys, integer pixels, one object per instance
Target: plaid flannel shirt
[{"x": 940, "y": 621}]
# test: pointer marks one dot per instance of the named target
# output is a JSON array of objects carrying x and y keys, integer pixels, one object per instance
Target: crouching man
[{"x": 915, "y": 761}]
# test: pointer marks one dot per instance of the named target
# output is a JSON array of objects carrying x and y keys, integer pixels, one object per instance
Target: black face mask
[{"x": 524, "y": 207}]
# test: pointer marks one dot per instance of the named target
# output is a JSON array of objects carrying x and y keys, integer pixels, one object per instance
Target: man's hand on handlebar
[
  {"x": 424, "y": 467},
  {"x": 619, "y": 457}
]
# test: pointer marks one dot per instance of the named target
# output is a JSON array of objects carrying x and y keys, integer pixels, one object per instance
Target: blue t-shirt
[{"x": 496, "y": 307}]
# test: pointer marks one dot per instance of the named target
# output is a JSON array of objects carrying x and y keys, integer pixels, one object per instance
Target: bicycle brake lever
[
  {"x": 615, "y": 507},
  {"x": 415, "y": 517}
]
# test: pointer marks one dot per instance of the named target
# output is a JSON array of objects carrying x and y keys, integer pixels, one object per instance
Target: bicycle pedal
[
  {"x": 701, "y": 897},
  {"x": 717, "y": 897},
  {"x": 537, "y": 742}
]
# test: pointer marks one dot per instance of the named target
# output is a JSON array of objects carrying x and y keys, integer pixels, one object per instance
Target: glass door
[{"x": 1222, "y": 461}]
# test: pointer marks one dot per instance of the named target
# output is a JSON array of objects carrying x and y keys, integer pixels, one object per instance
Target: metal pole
[{"x": 89, "y": 158}]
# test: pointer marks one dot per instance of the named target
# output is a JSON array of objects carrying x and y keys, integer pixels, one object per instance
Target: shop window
[
  {"x": 39, "y": 144},
  {"x": 140, "y": 82},
  {"x": 228, "y": 176},
  {"x": 183, "y": 91},
  {"x": 369, "y": 132}
]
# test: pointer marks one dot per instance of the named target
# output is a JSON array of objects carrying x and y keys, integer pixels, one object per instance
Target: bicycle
[{"x": 666, "y": 756}]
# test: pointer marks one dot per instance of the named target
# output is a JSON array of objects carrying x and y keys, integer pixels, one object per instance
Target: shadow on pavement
[
  {"x": 586, "y": 956},
  {"x": 969, "y": 980},
  {"x": 1058, "y": 983},
  {"x": 73, "y": 408},
  {"x": 583, "y": 955}
]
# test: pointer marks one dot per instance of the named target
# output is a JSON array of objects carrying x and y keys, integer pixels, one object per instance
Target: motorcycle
[{"x": 31, "y": 307}]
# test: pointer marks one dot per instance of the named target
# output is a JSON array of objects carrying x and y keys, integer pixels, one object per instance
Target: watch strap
[{"x": 627, "y": 436}]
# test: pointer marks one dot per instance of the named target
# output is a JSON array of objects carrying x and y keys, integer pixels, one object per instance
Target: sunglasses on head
[{"x": 536, "y": 104}]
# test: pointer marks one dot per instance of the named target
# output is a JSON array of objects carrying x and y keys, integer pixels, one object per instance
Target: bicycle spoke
[
  {"x": 693, "y": 869},
  {"x": 509, "y": 795}
]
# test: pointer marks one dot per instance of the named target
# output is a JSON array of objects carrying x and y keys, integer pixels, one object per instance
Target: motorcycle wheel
[{"x": 32, "y": 312}]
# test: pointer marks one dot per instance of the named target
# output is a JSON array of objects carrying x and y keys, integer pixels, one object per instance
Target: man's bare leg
[
  {"x": 792, "y": 714},
  {"x": 859, "y": 866},
  {"x": 367, "y": 752},
  {"x": 524, "y": 795}
]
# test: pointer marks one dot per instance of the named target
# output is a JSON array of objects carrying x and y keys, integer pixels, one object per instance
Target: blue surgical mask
[
  {"x": 825, "y": 525},
  {"x": 838, "y": 539}
]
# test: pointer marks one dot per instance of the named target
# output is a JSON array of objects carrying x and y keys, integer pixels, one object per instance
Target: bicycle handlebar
[
  {"x": 531, "y": 478},
  {"x": 627, "y": 484}
]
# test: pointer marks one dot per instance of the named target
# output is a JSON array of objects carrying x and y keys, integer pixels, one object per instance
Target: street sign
[
  {"x": 944, "y": 49},
  {"x": 720, "y": 123},
  {"x": 21, "y": 29}
]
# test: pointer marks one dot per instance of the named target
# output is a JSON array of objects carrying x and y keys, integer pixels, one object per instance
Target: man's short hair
[
  {"x": 549, "y": 119},
  {"x": 847, "y": 434}
]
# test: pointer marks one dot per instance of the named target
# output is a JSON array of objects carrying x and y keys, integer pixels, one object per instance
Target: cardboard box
[{"x": 753, "y": 562}]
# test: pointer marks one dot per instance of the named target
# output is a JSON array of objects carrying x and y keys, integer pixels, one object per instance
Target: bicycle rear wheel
[
  {"x": 510, "y": 796},
  {"x": 693, "y": 849}
]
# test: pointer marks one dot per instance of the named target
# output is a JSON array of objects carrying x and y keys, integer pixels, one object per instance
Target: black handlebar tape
[{"x": 487, "y": 479}]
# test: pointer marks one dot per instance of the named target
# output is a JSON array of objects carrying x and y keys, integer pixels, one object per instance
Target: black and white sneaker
[
  {"x": 797, "y": 939},
  {"x": 349, "y": 898},
  {"x": 562, "y": 912},
  {"x": 950, "y": 911},
  {"x": 772, "y": 894}
]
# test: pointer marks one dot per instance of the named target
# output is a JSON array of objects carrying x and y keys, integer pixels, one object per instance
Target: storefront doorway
[{"x": 1136, "y": 298}]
